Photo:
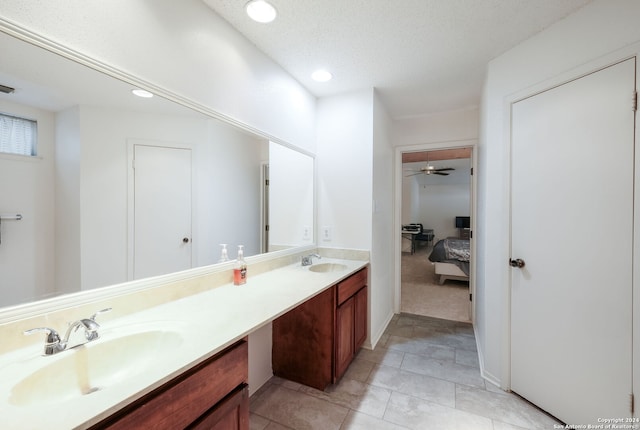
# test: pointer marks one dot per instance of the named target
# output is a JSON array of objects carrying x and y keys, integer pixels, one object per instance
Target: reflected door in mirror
[{"x": 162, "y": 213}]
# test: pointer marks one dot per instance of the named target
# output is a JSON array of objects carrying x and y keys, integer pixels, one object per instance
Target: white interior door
[
  {"x": 162, "y": 210},
  {"x": 572, "y": 209}
]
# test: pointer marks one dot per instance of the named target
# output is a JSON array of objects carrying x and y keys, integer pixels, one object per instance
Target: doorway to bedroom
[{"x": 435, "y": 229}]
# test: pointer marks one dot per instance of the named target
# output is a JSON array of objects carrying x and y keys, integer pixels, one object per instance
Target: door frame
[
  {"x": 397, "y": 215},
  {"x": 548, "y": 84},
  {"x": 131, "y": 143}
]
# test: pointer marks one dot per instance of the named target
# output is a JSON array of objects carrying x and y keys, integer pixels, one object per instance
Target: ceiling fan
[{"x": 432, "y": 170}]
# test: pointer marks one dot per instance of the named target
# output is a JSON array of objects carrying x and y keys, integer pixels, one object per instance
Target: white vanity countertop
[{"x": 197, "y": 326}]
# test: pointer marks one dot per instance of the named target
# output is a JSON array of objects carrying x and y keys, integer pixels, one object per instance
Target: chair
[{"x": 425, "y": 235}]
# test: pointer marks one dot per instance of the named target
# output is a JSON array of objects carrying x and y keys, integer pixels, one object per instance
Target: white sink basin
[
  {"x": 92, "y": 367},
  {"x": 327, "y": 267}
]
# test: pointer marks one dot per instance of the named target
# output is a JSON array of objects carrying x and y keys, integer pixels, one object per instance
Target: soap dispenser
[
  {"x": 240, "y": 268},
  {"x": 223, "y": 253}
]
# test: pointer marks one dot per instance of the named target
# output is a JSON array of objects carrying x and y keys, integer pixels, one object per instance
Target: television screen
[{"x": 463, "y": 222}]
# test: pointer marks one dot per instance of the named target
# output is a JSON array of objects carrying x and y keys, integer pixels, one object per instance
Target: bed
[{"x": 451, "y": 259}]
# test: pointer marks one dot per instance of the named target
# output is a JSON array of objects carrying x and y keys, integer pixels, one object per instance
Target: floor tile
[
  {"x": 276, "y": 380},
  {"x": 256, "y": 422},
  {"x": 400, "y": 330},
  {"x": 359, "y": 370},
  {"x": 506, "y": 408},
  {"x": 423, "y": 374},
  {"x": 445, "y": 338},
  {"x": 298, "y": 410},
  {"x": 360, "y": 421},
  {"x": 419, "y": 414},
  {"x": 442, "y": 369},
  {"x": 382, "y": 355},
  {"x": 466, "y": 329},
  {"x": 416, "y": 385},
  {"x": 467, "y": 358},
  {"x": 498, "y": 425},
  {"x": 355, "y": 395},
  {"x": 420, "y": 347},
  {"x": 489, "y": 386},
  {"x": 276, "y": 426}
]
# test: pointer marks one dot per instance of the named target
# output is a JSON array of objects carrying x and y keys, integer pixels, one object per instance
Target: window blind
[{"x": 18, "y": 135}]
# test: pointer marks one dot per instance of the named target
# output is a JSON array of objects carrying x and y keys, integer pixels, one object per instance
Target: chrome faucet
[
  {"x": 53, "y": 344},
  {"x": 90, "y": 330},
  {"x": 307, "y": 260}
]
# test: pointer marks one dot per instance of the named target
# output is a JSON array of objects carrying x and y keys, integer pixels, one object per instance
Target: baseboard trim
[
  {"x": 373, "y": 340},
  {"x": 483, "y": 373}
]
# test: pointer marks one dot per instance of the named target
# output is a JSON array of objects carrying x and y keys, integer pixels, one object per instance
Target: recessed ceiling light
[
  {"x": 261, "y": 11},
  {"x": 142, "y": 93},
  {"x": 321, "y": 76}
]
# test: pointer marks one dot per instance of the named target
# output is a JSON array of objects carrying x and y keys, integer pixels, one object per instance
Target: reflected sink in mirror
[
  {"x": 93, "y": 366},
  {"x": 327, "y": 267}
]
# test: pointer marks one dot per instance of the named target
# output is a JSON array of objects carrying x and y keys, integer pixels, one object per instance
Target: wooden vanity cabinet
[
  {"x": 212, "y": 395},
  {"x": 314, "y": 343},
  {"x": 351, "y": 330}
]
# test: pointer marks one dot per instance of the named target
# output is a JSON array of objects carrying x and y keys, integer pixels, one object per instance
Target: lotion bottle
[{"x": 240, "y": 268}]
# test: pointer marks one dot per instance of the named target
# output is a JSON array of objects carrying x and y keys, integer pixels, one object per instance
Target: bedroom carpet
[{"x": 423, "y": 295}]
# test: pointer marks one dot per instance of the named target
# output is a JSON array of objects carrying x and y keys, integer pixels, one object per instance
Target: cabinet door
[
  {"x": 303, "y": 342},
  {"x": 360, "y": 315},
  {"x": 230, "y": 414},
  {"x": 344, "y": 337}
]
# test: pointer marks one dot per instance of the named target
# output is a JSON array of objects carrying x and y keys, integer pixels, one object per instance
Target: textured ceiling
[{"x": 423, "y": 56}]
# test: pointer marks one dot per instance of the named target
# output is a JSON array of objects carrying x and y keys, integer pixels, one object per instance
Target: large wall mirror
[{"x": 124, "y": 187}]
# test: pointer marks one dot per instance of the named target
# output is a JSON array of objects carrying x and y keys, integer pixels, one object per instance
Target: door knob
[
  {"x": 185, "y": 239},
  {"x": 516, "y": 263}
]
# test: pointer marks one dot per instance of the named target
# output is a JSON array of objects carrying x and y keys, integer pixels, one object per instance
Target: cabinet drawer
[
  {"x": 351, "y": 285},
  {"x": 182, "y": 400},
  {"x": 230, "y": 414}
]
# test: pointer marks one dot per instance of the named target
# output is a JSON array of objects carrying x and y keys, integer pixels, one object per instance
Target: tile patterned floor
[{"x": 423, "y": 375}]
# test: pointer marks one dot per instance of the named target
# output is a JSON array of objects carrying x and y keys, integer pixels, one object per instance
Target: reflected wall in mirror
[
  {"x": 291, "y": 198},
  {"x": 114, "y": 175}
]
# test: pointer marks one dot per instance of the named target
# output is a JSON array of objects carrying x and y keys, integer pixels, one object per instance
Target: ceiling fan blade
[
  {"x": 414, "y": 174},
  {"x": 440, "y": 173},
  {"x": 444, "y": 168}
]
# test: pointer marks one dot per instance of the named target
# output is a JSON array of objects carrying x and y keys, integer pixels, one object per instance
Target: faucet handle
[
  {"x": 91, "y": 326},
  {"x": 52, "y": 342},
  {"x": 52, "y": 335},
  {"x": 93, "y": 317}
]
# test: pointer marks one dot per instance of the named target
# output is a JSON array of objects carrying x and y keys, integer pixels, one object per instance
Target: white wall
[
  {"x": 596, "y": 30},
  {"x": 27, "y": 188},
  {"x": 437, "y": 127},
  {"x": 291, "y": 185},
  {"x": 67, "y": 197},
  {"x": 345, "y": 169},
  {"x": 182, "y": 46},
  {"x": 439, "y": 204},
  {"x": 381, "y": 289}
]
